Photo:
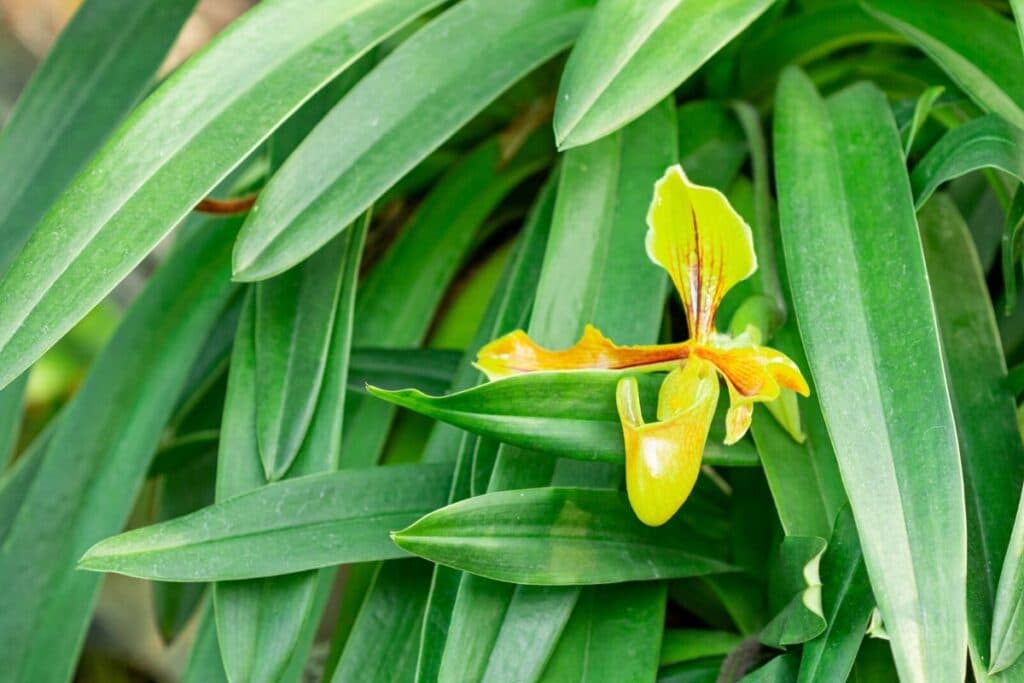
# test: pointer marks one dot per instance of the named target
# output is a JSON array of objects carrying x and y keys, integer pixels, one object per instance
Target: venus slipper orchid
[{"x": 706, "y": 248}]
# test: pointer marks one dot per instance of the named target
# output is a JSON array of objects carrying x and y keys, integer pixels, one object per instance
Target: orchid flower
[{"x": 706, "y": 248}]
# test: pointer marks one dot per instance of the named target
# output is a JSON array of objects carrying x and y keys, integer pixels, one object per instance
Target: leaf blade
[{"x": 903, "y": 544}]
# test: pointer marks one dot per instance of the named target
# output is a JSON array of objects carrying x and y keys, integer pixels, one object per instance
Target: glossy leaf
[
  {"x": 846, "y": 601},
  {"x": 413, "y": 101},
  {"x": 509, "y": 307},
  {"x": 631, "y": 55},
  {"x": 171, "y": 152},
  {"x": 985, "y": 142},
  {"x": 294, "y": 322},
  {"x": 608, "y": 638},
  {"x": 397, "y": 300},
  {"x": 712, "y": 147},
  {"x": 794, "y": 587},
  {"x": 844, "y": 199},
  {"x": 572, "y": 414},
  {"x": 1007, "y": 644},
  {"x": 558, "y": 536},
  {"x": 394, "y": 606},
  {"x": 348, "y": 514},
  {"x": 972, "y": 43},
  {"x": 97, "y": 458},
  {"x": 990, "y": 444},
  {"x": 259, "y": 622},
  {"x": 491, "y": 620},
  {"x": 100, "y": 66},
  {"x": 781, "y": 669}
]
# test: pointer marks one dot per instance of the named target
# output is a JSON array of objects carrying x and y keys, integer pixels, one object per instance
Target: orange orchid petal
[
  {"x": 516, "y": 353},
  {"x": 754, "y": 374},
  {"x": 706, "y": 247},
  {"x": 663, "y": 458}
]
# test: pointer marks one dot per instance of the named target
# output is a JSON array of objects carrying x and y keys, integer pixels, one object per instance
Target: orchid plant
[{"x": 706, "y": 248}]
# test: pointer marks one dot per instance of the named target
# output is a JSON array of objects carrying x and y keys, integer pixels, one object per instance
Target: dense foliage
[{"x": 284, "y": 438}]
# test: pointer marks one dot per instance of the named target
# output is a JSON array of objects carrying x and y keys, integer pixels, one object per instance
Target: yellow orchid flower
[{"x": 707, "y": 248}]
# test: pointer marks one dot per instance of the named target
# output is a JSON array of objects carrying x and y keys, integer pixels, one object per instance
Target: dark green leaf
[
  {"x": 985, "y": 142},
  {"x": 397, "y": 301},
  {"x": 847, "y": 603},
  {"x": 259, "y": 622},
  {"x": 972, "y": 43},
  {"x": 845, "y": 200},
  {"x": 413, "y": 101},
  {"x": 204, "y": 664},
  {"x": 290, "y": 526},
  {"x": 294, "y": 323},
  {"x": 383, "y": 647},
  {"x": 100, "y": 66},
  {"x": 572, "y": 414},
  {"x": 804, "y": 37},
  {"x": 632, "y": 55},
  {"x": 96, "y": 460},
  {"x": 613, "y": 635},
  {"x": 990, "y": 444},
  {"x": 559, "y": 536},
  {"x": 794, "y": 588},
  {"x": 171, "y": 152},
  {"x": 684, "y": 645}
]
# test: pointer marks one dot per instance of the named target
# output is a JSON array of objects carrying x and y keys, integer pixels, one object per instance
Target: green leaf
[
  {"x": 781, "y": 669},
  {"x": 1007, "y": 644},
  {"x": 558, "y": 537},
  {"x": 183, "y": 490},
  {"x": 712, "y": 145},
  {"x": 100, "y": 66},
  {"x": 794, "y": 589},
  {"x": 171, "y": 152},
  {"x": 609, "y": 635},
  {"x": 804, "y": 37},
  {"x": 294, "y": 323},
  {"x": 990, "y": 444},
  {"x": 259, "y": 622},
  {"x": 204, "y": 663},
  {"x": 922, "y": 108},
  {"x": 571, "y": 414},
  {"x": 631, "y": 55},
  {"x": 430, "y": 370},
  {"x": 684, "y": 645},
  {"x": 985, "y": 142},
  {"x": 847, "y": 602},
  {"x": 972, "y": 43},
  {"x": 97, "y": 457},
  {"x": 592, "y": 269},
  {"x": 845, "y": 200},
  {"x": 413, "y": 101},
  {"x": 290, "y": 526},
  {"x": 788, "y": 466},
  {"x": 397, "y": 300},
  {"x": 509, "y": 307},
  {"x": 383, "y": 647}
]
